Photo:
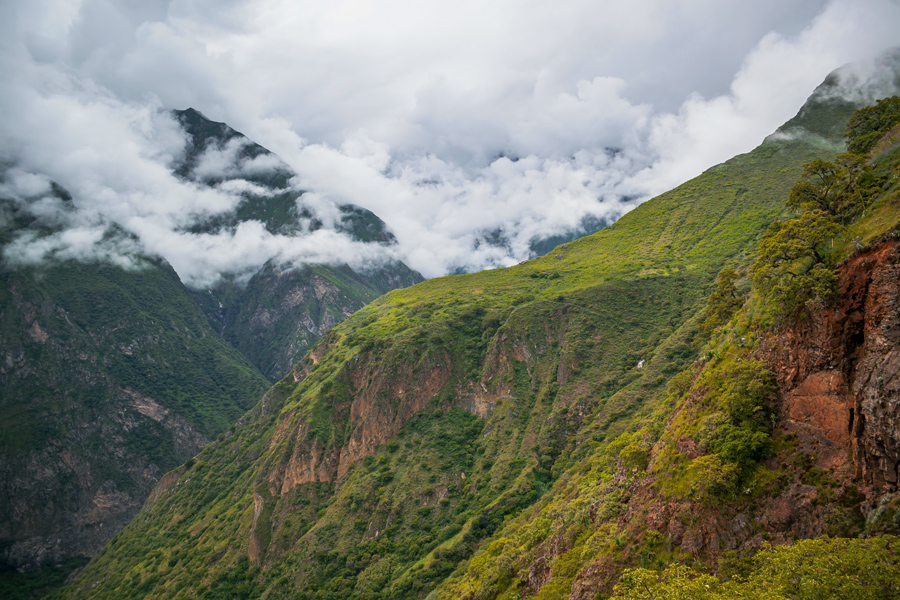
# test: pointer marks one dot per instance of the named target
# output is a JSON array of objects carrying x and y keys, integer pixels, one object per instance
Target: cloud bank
[{"x": 458, "y": 123}]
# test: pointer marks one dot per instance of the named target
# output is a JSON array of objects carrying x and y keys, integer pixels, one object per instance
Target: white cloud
[
  {"x": 450, "y": 120},
  {"x": 774, "y": 80}
]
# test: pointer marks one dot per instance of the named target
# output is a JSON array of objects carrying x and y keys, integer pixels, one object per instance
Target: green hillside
[
  {"x": 431, "y": 442},
  {"x": 110, "y": 378}
]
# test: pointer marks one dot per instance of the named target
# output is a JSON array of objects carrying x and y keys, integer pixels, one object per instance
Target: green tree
[
  {"x": 869, "y": 124},
  {"x": 791, "y": 270},
  {"x": 824, "y": 568},
  {"x": 711, "y": 475},
  {"x": 739, "y": 431},
  {"x": 676, "y": 582},
  {"x": 749, "y": 391},
  {"x": 818, "y": 569},
  {"x": 723, "y": 302},
  {"x": 820, "y": 187},
  {"x": 842, "y": 188}
]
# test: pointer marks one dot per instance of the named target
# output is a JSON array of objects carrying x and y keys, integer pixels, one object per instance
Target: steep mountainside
[
  {"x": 483, "y": 435},
  {"x": 109, "y": 378},
  {"x": 282, "y": 311}
]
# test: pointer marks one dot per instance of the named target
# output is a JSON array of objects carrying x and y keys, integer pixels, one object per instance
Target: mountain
[
  {"x": 114, "y": 372},
  {"x": 110, "y": 377},
  {"x": 282, "y": 311},
  {"x": 276, "y": 316},
  {"x": 534, "y": 431}
]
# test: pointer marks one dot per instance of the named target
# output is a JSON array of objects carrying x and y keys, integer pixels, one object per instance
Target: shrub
[{"x": 712, "y": 476}]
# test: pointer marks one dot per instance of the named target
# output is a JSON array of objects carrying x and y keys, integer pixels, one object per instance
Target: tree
[
  {"x": 677, "y": 582},
  {"x": 791, "y": 270},
  {"x": 819, "y": 187},
  {"x": 842, "y": 188},
  {"x": 748, "y": 392},
  {"x": 869, "y": 124},
  {"x": 723, "y": 302},
  {"x": 818, "y": 569},
  {"x": 711, "y": 475},
  {"x": 822, "y": 568}
]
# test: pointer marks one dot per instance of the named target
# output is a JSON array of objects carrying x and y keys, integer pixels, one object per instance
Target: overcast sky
[{"x": 448, "y": 119}]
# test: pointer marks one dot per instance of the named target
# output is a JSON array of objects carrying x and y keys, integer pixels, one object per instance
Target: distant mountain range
[{"x": 277, "y": 316}]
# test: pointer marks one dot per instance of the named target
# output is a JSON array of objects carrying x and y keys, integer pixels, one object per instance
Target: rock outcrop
[{"x": 839, "y": 371}]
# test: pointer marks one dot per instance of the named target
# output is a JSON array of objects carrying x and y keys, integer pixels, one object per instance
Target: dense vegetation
[
  {"x": 794, "y": 268},
  {"x": 87, "y": 347},
  {"x": 808, "y": 570}
]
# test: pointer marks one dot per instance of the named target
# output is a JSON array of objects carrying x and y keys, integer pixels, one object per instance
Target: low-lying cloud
[{"x": 471, "y": 129}]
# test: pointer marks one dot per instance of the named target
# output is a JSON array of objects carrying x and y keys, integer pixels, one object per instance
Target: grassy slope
[
  {"x": 556, "y": 339},
  {"x": 577, "y": 528}
]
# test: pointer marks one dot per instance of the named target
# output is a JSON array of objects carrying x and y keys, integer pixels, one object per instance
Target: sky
[{"x": 455, "y": 122}]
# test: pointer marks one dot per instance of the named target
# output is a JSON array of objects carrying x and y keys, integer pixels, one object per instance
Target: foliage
[
  {"x": 791, "y": 271},
  {"x": 842, "y": 188},
  {"x": 712, "y": 475},
  {"x": 743, "y": 392},
  {"x": 795, "y": 259},
  {"x": 35, "y": 584},
  {"x": 723, "y": 302},
  {"x": 747, "y": 391},
  {"x": 817, "y": 569},
  {"x": 869, "y": 124}
]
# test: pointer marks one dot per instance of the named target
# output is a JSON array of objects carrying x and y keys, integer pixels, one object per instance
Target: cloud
[
  {"x": 774, "y": 80},
  {"x": 471, "y": 128},
  {"x": 87, "y": 244},
  {"x": 218, "y": 162},
  {"x": 200, "y": 259}
]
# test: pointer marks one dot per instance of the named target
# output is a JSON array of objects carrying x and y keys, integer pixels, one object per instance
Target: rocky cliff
[
  {"x": 835, "y": 467},
  {"x": 839, "y": 372}
]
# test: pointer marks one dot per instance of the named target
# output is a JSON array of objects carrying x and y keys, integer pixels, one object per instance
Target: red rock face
[
  {"x": 688, "y": 447},
  {"x": 838, "y": 371},
  {"x": 822, "y": 402}
]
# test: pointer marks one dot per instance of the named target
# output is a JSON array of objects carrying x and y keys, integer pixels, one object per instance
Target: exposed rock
[
  {"x": 688, "y": 447},
  {"x": 538, "y": 574},
  {"x": 596, "y": 580},
  {"x": 165, "y": 484},
  {"x": 254, "y": 549},
  {"x": 840, "y": 372},
  {"x": 693, "y": 541},
  {"x": 676, "y": 531}
]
